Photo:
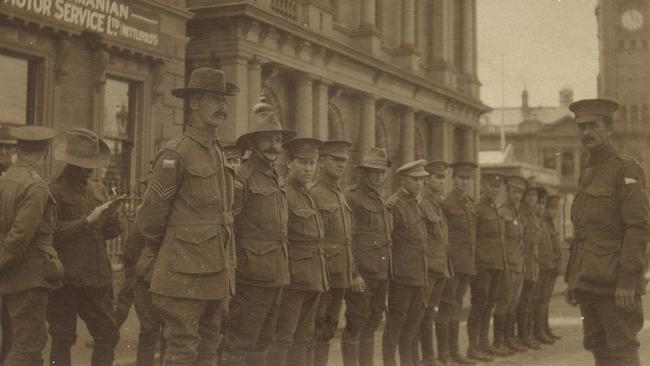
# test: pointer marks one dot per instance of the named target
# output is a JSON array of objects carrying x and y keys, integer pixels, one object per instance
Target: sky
[{"x": 545, "y": 45}]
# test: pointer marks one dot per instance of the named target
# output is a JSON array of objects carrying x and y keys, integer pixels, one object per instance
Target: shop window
[
  {"x": 118, "y": 131},
  {"x": 568, "y": 168},
  {"x": 17, "y": 95},
  {"x": 549, "y": 159}
]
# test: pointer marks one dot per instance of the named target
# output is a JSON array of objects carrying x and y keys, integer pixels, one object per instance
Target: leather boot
[
  {"x": 426, "y": 343},
  {"x": 509, "y": 335},
  {"x": 484, "y": 337},
  {"x": 499, "y": 344},
  {"x": 442, "y": 340},
  {"x": 539, "y": 327},
  {"x": 454, "y": 333}
]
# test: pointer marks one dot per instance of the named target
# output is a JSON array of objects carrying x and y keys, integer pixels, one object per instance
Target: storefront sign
[{"x": 119, "y": 19}]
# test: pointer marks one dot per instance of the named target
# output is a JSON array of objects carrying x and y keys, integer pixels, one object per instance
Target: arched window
[{"x": 568, "y": 168}]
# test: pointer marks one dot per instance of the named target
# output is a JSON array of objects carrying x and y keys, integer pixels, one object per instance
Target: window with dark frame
[{"x": 18, "y": 94}]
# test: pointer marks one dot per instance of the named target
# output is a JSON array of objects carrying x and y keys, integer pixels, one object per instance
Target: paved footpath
[{"x": 564, "y": 319}]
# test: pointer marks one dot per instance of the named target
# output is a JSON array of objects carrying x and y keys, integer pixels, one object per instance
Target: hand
[
  {"x": 114, "y": 205},
  {"x": 358, "y": 284},
  {"x": 570, "y": 298},
  {"x": 625, "y": 298},
  {"x": 97, "y": 212}
]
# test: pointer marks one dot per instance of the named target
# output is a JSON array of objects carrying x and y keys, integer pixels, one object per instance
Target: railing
[{"x": 286, "y": 8}]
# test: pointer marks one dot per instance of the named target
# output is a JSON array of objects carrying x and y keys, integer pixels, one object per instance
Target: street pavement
[{"x": 565, "y": 320}]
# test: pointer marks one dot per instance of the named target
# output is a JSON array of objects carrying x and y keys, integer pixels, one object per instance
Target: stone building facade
[
  {"x": 105, "y": 65},
  {"x": 397, "y": 74}
]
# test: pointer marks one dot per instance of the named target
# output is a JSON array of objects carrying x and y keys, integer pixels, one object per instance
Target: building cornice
[
  {"x": 173, "y": 10},
  {"x": 345, "y": 51}
]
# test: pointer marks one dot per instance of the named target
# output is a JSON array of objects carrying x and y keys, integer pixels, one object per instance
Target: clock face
[{"x": 632, "y": 19}]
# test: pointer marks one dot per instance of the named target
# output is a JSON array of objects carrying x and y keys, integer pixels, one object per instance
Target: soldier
[
  {"x": 87, "y": 217},
  {"x": 371, "y": 244},
  {"x": 551, "y": 214},
  {"x": 261, "y": 224},
  {"x": 546, "y": 266},
  {"x": 438, "y": 264},
  {"x": 508, "y": 297},
  {"x": 605, "y": 272},
  {"x": 307, "y": 264},
  {"x": 336, "y": 215},
  {"x": 234, "y": 155},
  {"x": 406, "y": 288},
  {"x": 186, "y": 219},
  {"x": 531, "y": 238},
  {"x": 491, "y": 265},
  {"x": 28, "y": 261},
  {"x": 461, "y": 218},
  {"x": 7, "y": 153}
]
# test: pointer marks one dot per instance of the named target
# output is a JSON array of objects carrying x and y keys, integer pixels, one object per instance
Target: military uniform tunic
[
  {"x": 461, "y": 220},
  {"x": 28, "y": 261},
  {"x": 611, "y": 231},
  {"x": 186, "y": 215}
]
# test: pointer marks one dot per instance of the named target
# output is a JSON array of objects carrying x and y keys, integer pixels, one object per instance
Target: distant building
[
  {"x": 542, "y": 137},
  {"x": 624, "y": 33}
]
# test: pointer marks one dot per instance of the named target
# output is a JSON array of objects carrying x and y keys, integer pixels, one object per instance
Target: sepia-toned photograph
[{"x": 324, "y": 182}]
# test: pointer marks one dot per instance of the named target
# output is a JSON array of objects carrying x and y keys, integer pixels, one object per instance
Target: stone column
[
  {"x": 367, "y": 122},
  {"x": 408, "y": 24},
  {"x": 236, "y": 72},
  {"x": 468, "y": 37},
  {"x": 368, "y": 14},
  {"x": 449, "y": 40},
  {"x": 407, "y": 143},
  {"x": 439, "y": 139},
  {"x": 468, "y": 142},
  {"x": 254, "y": 84},
  {"x": 304, "y": 105},
  {"x": 321, "y": 105}
]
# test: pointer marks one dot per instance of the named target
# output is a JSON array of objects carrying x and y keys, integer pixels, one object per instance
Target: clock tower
[{"x": 624, "y": 34}]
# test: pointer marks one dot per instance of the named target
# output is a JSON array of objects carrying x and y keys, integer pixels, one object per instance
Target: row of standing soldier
[{"x": 293, "y": 251}]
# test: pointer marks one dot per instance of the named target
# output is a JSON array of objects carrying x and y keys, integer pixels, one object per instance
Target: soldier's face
[
  {"x": 514, "y": 195},
  {"x": 530, "y": 198},
  {"x": 210, "y": 109},
  {"x": 333, "y": 166},
  {"x": 413, "y": 185},
  {"x": 540, "y": 208},
  {"x": 594, "y": 134},
  {"x": 491, "y": 190},
  {"x": 374, "y": 178},
  {"x": 302, "y": 169},
  {"x": 461, "y": 182},
  {"x": 234, "y": 162},
  {"x": 437, "y": 182},
  {"x": 269, "y": 145}
]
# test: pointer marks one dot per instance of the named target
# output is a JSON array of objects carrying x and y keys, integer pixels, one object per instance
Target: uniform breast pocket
[
  {"x": 197, "y": 249},
  {"x": 203, "y": 185},
  {"x": 260, "y": 259},
  {"x": 70, "y": 207},
  {"x": 330, "y": 213},
  {"x": 371, "y": 217},
  {"x": 598, "y": 201},
  {"x": 302, "y": 223},
  {"x": 261, "y": 201},
  {"x": 456, "y": 220}
]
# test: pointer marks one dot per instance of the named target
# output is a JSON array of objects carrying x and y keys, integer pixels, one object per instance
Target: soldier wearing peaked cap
[
  {"x": 532, "y": 236},
  {"x": 546, "y": 268},
  {"x": 438, "y": 265},
  {"x": 371, "y": 246},
  {"x": 187, "y": 219},
  {"x": 261, "y": 216},
  {"x": 491, "y": 265},
  {"x": 337, "y": 217},
  {"x": 508, "y": 296},
  {"x": 610, "y": 221},
  {"x": 461, "y": 218},
  {"x": 86, "y": 218},
  {"x": 308, "y": 273},
  {"x": 28, "y": 261},
  {"x": 407, "y": 284}
]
